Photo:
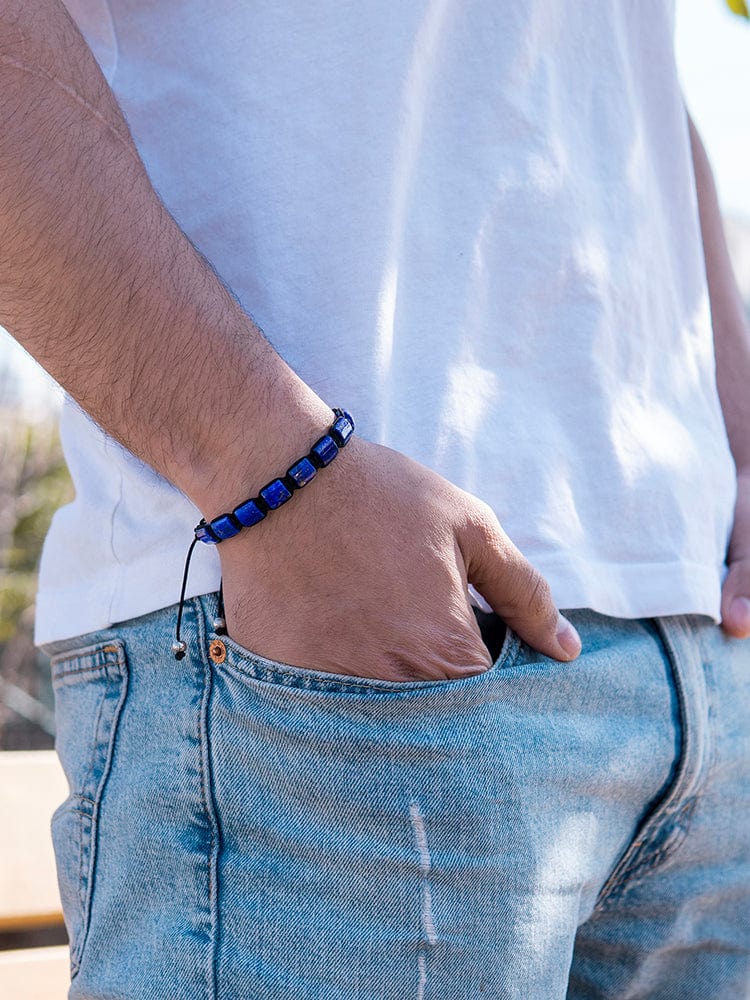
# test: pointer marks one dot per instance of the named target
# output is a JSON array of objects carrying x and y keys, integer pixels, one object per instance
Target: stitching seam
[{"x": 209, "y": 804}]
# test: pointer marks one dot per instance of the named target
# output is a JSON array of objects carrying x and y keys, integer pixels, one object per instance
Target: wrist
[
  {"x": 252, "y": 512},
  {"x": 260, "y": 434},
  {"x": 276, "y": 538},
  {"x": 280, "y": 490}
]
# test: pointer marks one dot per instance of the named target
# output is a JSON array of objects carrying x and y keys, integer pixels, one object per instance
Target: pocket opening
[{"x": 259, "y": 667}]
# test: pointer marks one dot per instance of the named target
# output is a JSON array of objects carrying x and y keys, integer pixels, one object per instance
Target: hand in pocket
[{"x": 366, "y": 574}]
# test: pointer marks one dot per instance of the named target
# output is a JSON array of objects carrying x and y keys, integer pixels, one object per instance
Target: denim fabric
[{"x": 243, "y": 829}]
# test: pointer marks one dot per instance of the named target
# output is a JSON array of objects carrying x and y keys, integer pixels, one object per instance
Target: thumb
[
  {"x": 735, "y": 600},
  {"x": 516, "y": 591}
]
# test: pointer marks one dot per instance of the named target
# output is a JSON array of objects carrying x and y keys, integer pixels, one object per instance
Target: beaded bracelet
[
  {"x": 274, "y": 494},
  {"x": 278, "y": 491}
]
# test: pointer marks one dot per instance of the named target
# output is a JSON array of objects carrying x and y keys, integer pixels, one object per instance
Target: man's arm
[
  {"x": 102, "y": 287},
  {"x": 732, "y": 347}
]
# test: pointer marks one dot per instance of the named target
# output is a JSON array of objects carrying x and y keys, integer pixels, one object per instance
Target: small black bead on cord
[{"x": 322, "y": 453}]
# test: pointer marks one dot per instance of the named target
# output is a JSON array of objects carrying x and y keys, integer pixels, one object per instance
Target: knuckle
[
  {"x": 539, "y": 596},
  {"x": 484, "y": 526}
]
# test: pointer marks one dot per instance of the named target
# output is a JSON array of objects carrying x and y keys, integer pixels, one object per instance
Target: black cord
[
  {"x": 179, "y": 647},
  {"x": 220, "y": 625}
]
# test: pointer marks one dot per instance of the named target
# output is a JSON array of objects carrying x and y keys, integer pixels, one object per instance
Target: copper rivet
[{"x": 217, "y": 651}]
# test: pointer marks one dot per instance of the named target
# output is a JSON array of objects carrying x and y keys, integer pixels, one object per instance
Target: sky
[{"x": 713, "y": 55}]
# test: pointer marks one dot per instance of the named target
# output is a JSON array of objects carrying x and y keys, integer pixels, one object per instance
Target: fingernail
[
  {"x": 567, "y": 637},
  {"x": 739, "y": 612}
]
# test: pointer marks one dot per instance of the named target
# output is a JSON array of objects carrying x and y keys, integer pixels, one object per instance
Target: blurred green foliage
[{"x": 34, "y": 482}]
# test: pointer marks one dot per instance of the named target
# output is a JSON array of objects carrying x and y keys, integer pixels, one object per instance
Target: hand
[
  {"x": 735, "y": 595},
  {"x": 366, "y": 572}
]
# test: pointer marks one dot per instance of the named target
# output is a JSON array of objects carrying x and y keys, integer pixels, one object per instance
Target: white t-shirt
[{"x": 473, "y": 225}]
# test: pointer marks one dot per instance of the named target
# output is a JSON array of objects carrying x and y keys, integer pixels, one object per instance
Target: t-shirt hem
[
  {"x": 72, "y": 611},
  {"x": 634, "y": 590}
]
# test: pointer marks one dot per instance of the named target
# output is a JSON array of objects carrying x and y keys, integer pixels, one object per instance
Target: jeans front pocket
[
  {"x": 90, "y": 686},
  {"x": 504, "y": 648}
]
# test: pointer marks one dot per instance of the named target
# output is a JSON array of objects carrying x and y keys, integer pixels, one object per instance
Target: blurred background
[{"x": 713, "y": 50}]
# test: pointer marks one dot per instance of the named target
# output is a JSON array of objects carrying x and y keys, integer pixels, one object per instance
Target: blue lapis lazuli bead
[
  {"x": 302, "y": 472},
  {"x": 275, "y": 494},
  {"x": 343, "y": 429},
  {"x": 326, "y": 449},
  {"x": 249, "y": 513},
  {"x": 204, "y": 534},
  {"x": 224, "y": 528}
]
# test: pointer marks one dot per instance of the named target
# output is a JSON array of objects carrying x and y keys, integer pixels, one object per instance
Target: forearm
[
  {"x": 101, "y": 286},
  {"x": 730, "y": 326}
]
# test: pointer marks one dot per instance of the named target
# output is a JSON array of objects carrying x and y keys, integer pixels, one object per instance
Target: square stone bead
[
  {"x": 326, "y": 449},
  {"x": 302, "y": 472},
  {"x": 249, "y": 513},
  {"x": 223, "y": 528},
  {"x": 275, "y": 494},
  {"x": 342, "y": 430},
  {"x": 204, "y": 534}
]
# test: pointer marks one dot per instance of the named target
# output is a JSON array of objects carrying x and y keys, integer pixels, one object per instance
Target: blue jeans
[{"x": 243, "y": 829}]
